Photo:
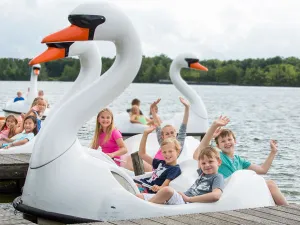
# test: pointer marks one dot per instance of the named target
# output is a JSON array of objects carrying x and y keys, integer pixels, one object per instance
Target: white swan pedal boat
[
  {"x": 23, "y": 106},
  {"x": 65, "y": 183}
]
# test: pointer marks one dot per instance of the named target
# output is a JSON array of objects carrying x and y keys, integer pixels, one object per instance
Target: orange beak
[
  {"x": 49, "y": 55},
  {"x": 198, "y": 66},
  {"x": 36, "y": 71},
  {"x": 71, "y": 33}
]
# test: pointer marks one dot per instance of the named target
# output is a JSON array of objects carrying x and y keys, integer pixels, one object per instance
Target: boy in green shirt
[{"x": 225, "y": 141}]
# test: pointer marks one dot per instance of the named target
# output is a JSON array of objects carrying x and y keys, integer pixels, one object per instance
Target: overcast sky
[{"x": 222, "y": 29}]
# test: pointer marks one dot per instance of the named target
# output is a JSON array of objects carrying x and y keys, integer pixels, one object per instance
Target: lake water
[{"x": 257, "y": 115}]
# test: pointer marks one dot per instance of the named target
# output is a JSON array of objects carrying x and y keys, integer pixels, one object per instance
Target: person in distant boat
[
  {"x": 41, "y": 94},
  {"x": 19, "y": 97},
  {"x": 136, "y": 102},
  {"x": 225, "y": 140},
  {"x": 136, "y": 117},
  {"x": 9, "y": 129},
  {"x": 207, "y": 188},
  {"x": 169, "y": 130},
  {"x": 30, "y": 130},
  {"x": 38, "y": 108},
  {"x": 164, "y": 171},
  {"x": 155, "y": 108},
  {"x": 108, "y": 137}
]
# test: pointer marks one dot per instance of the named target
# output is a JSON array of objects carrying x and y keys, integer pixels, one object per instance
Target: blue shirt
[
  {"x": 229, "y": 165},
  {"x": 162, "y": 172},
  {"x": 18, "y": 99}
]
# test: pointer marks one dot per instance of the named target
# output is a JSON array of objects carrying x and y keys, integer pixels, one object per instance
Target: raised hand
[
  {"x": 184, "y": 102},
  {"x": 149, "y": 129},
  {"x": 154, "y": 104},
  {"x": 273, "y": 145},
  {"x": 217, "y": 132},
  {"x": 221, "y": 121}
]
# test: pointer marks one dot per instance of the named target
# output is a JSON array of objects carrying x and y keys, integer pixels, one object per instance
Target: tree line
[{"x": 276, "y": 71}]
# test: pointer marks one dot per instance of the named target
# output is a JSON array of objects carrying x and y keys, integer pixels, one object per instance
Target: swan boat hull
[{"x": 57, "y": 194}]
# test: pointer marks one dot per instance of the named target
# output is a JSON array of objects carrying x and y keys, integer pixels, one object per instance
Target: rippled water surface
[{"x": 257, "y": 114}]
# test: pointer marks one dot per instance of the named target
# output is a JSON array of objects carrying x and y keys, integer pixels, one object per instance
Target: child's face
[
  {"x": 41, "y": 105},
  {"x": 135, "y": 110},
  {"x": 29, "y": 125},
  {"x": 226, "y": 144},
  {"x": 168, "y": 132},
  {"x": 169, "y": 153},
  {"x": 209, "y": 165},
  {"x": 105, "y": 119},
  {"x": 10, "y": 122}
]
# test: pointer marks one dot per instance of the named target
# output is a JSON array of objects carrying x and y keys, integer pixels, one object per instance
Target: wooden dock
[
  {"x": 268, "y": 215},
  {"x": 13, "y": 170}
]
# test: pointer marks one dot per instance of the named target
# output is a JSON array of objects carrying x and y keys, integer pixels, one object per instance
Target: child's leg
[
  {"x": 162, "y": 195},
  {"x": 278, "y": 197}
]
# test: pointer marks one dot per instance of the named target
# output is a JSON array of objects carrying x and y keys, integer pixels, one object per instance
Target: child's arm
[
  {"x": 221, "y": 121},
  {"x": 122, "y": 149},
  {"x": 186, "y": 110},
  {"x": 133, "y": 119},
  {"x": 156, "y": 119},
  {"x": 8, "y": 140},
  {"x": 17, "y": 143},
  {"x": 142, "y": 149},
  {"x": 264, "y": 168},
  {"x": 156, "y": 188},
  {"x": 206, "y": 198}
]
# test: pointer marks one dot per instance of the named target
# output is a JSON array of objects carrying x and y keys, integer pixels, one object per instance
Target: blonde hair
[
  {"x": 209, "y": 152},
  {"x": 168, "y": 125},
  {"x": 135, "y": 107},
  {"x": 224, "y": 133},
  {"x": 11, "y": 132},
  {"x": 99, "y": 129},
  {"x": 173, "y": 141}
]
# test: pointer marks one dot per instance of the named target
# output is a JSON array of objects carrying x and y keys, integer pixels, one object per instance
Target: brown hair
[
  {"x": 135, "y": 102},
  {"x": 99, "y": 129},
  {"x": 11, "y": 132},
  {"x": 224, "y": 133},
  {"x": 209, "y": 152},
  {"x": 173, "y": 141}
]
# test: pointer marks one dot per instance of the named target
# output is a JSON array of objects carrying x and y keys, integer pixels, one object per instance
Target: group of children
[
  {"x": 16, "y": 132},
  {"x": 214, "y": 164}
]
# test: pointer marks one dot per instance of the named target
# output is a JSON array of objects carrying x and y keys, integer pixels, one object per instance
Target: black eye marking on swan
[
  {"x": 191, "y": 60},
  {"x": 87, "y": 21},
  {"x": 65, "y": 45}
]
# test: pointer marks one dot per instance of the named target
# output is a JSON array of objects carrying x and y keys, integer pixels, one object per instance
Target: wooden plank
[
  {"x": 20, "y": 157},
  {"x": 294, "y": 211},
  {"x": 145, "y": 222},
  {"x": 279, "y": 214},
  {"x": 255, "y": 219},
  {"x": 210, "y": 219},
  {"x": 189, "y": 220},
  {"x": 138, "y": 164},
  {"x": 230, "y": 219},
  {"x": 268, "y": 216},
  {"x": 11, "y": 172},
  {"x": 123, "y": 222},
  {"x": 166, "y": 221},
  {"x": 5, "y": 159}
]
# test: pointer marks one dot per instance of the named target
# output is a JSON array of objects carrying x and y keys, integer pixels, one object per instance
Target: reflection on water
[{"x": 257, "y": 114}]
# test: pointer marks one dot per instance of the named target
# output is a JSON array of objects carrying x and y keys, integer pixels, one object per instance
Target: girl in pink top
[
  {"x": 108, "y": 137},
  {"x": 9, "y": 128}
]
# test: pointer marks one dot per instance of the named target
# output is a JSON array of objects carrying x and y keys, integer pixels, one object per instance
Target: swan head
[
  {"x": 61, "y": 50},
  {"x": 94, "y": 21},
  {"x": 188, "y": 60},
  {"x": 36, "y": 68}
]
